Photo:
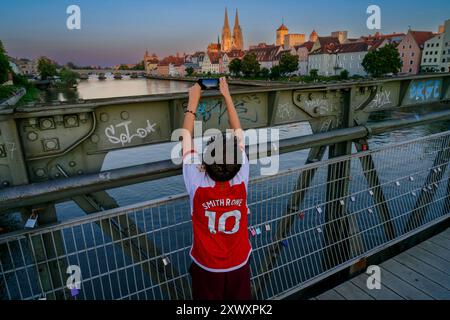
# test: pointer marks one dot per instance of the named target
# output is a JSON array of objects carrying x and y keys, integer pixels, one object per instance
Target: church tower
[
  {"x": 226, "y": 34},
  {"x": 238, "y": 38},
  {"x": 281, "y": 32}
]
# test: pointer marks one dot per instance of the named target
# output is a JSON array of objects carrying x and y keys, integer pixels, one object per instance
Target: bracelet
[{"x": 195, "y": 115}]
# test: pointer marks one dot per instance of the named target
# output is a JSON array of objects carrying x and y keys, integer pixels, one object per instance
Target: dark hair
[{"x": 226, "y": 169}]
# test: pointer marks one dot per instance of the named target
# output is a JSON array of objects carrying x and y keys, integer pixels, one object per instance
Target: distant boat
[
  {"x": 101, "y": 76},
  {"x": 84, "y": 76},
  {"x": 117, "y": 76},
  {"x": 134, "y": 75}
]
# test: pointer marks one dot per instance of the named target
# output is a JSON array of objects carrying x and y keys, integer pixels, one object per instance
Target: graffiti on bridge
[
  {"x": 206, "y": 110},
  {"x": 425, "y": 90}
]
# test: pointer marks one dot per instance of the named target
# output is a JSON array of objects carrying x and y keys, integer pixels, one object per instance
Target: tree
[
  {"x": 235, "y": 67},
  {"x": 5, "y": 68},
  {"x": 123, "y": 67},
  {"x": 71, "y": 65},
  {"x": 46, "y": 68},
  {"x": 275, "y": 72},
  {"x": 314, "y": 74},
  {"x": 382, "y": 61},
  {"x": 69, "y": 77},
  {"x": 189, "y": 71},
  {"x": 344, "y": 75},
  {"x": 264, "y": 73},
  {"x": 139, "y": 66},
  {"x": 250, "y": 65},
  {"x": 288, "y": 63}
]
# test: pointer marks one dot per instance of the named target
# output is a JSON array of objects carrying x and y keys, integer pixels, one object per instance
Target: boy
[{"x": 218, "y": 197}]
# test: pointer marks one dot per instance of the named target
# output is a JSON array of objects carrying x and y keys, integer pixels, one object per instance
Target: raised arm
[
  {"x": 233, "y": 117},
  {"x": 195, "y": 93}
]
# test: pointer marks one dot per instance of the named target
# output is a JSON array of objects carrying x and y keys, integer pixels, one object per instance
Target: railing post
[{"x": 338, "y": 226}]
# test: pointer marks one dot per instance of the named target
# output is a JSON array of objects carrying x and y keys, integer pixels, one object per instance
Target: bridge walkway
[{"x": 420, "y": 273}]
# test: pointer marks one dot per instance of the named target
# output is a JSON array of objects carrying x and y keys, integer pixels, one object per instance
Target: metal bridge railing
[{"x": 299, "y": 228}]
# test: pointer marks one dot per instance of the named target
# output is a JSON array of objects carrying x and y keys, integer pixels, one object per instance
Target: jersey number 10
[{"x": 222, "y": 220}]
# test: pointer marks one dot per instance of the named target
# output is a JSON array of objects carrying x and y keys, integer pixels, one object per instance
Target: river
[{"x": 94, "y": 89}]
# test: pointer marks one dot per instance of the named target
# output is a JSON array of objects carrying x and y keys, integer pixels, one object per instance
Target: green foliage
[
  {"x": 46, "y": 68},
  {"x": 21, "y": 81},
  {"x": 250, "y": 65},
  {"x": 189, "y": 71},
  {"x": 139, "y": 66},
  {"x": 5, "y": 68},
  {"x": 123, "y": 67},
  {"x": 275, "y": 72},
  {"x": 344, "y": 74},
  {"x": 314, "y": 74},
  {"x": 264, "y": 73},
  {"x": 235, "y": 67},
  {"x": 288, "y": 63},
  {"x": 382, "y": 61},
  {"x": 7, "y": 91},
  {"x": 68, "y": 77}
]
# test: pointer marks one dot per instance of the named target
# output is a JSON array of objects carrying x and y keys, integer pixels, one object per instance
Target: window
[
  {"x": 411, "y": 62},
  {"x": 412, "y": 54},
  {"x": 410, "y": 46},
  {"x": 437, "y": 44},
  {"x": 435, "y": 59},
  {"x": 432, "y": 45},
  {"x": 428, "y": 45},
  {"x": 403, "y": 55},
  {"x": 410, "y": 70},
  {"x": 435, "y": 52}
]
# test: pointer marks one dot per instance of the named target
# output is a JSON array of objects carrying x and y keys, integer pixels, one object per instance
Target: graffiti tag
[
  {"x": 425, "y": 90},
  {"x": 321, "y": 106},
  {"x": 205, "y": 111},
  {"x": 126, "y": 136},
  {"x": 284, "y": 111},
  {"x": 381, "y": 99}
]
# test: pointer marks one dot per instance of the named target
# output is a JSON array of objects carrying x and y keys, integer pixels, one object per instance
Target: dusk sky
[{"x": 114, "y": 31}]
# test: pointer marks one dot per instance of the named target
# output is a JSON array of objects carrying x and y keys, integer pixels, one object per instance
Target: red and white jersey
[{"x": 219, "y": 216}]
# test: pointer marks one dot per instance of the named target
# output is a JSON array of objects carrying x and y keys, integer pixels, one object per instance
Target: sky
[{"x": 119, "y": 31}]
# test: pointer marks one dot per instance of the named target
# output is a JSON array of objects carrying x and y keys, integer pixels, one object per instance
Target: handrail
[{"x": 41, "y": 192}]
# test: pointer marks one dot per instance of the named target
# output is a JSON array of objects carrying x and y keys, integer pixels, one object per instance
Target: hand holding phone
[{"x": 209, "y": 84}]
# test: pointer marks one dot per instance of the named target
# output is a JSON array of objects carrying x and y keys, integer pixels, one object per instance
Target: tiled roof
[
  {"x": 235, "y": 54},
  {"x": 265, "y": 54},
  {"x": 177, "y": 61},
  {"x": 324, "y": 41},
  {"x": 353, "y": 47},
  {"x": 333, "y": 48},
  {"x": 308, "y": 45},
  {"x": 282, "y": 27},
  {"x": 214, "y": 57},
  {"x": 421, "y": 36}
]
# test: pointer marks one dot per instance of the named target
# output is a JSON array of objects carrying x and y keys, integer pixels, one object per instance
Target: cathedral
[{"x": 229, "y": 42}]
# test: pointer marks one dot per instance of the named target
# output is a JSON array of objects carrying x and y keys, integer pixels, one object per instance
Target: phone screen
[{"x": 210, "y": 83}]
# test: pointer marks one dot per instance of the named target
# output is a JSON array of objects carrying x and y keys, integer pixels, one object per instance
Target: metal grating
[{"x": 304, "y": 223}]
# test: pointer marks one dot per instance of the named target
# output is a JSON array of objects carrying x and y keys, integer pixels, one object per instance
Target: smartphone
[{"x": 208, "y": 84}]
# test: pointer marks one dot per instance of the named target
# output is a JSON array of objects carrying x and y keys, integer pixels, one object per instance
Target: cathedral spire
[
  {"x": 225, "y": 23},
  {"x": 226, "y": 34},
  {"x": 238, "y": 39}
]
